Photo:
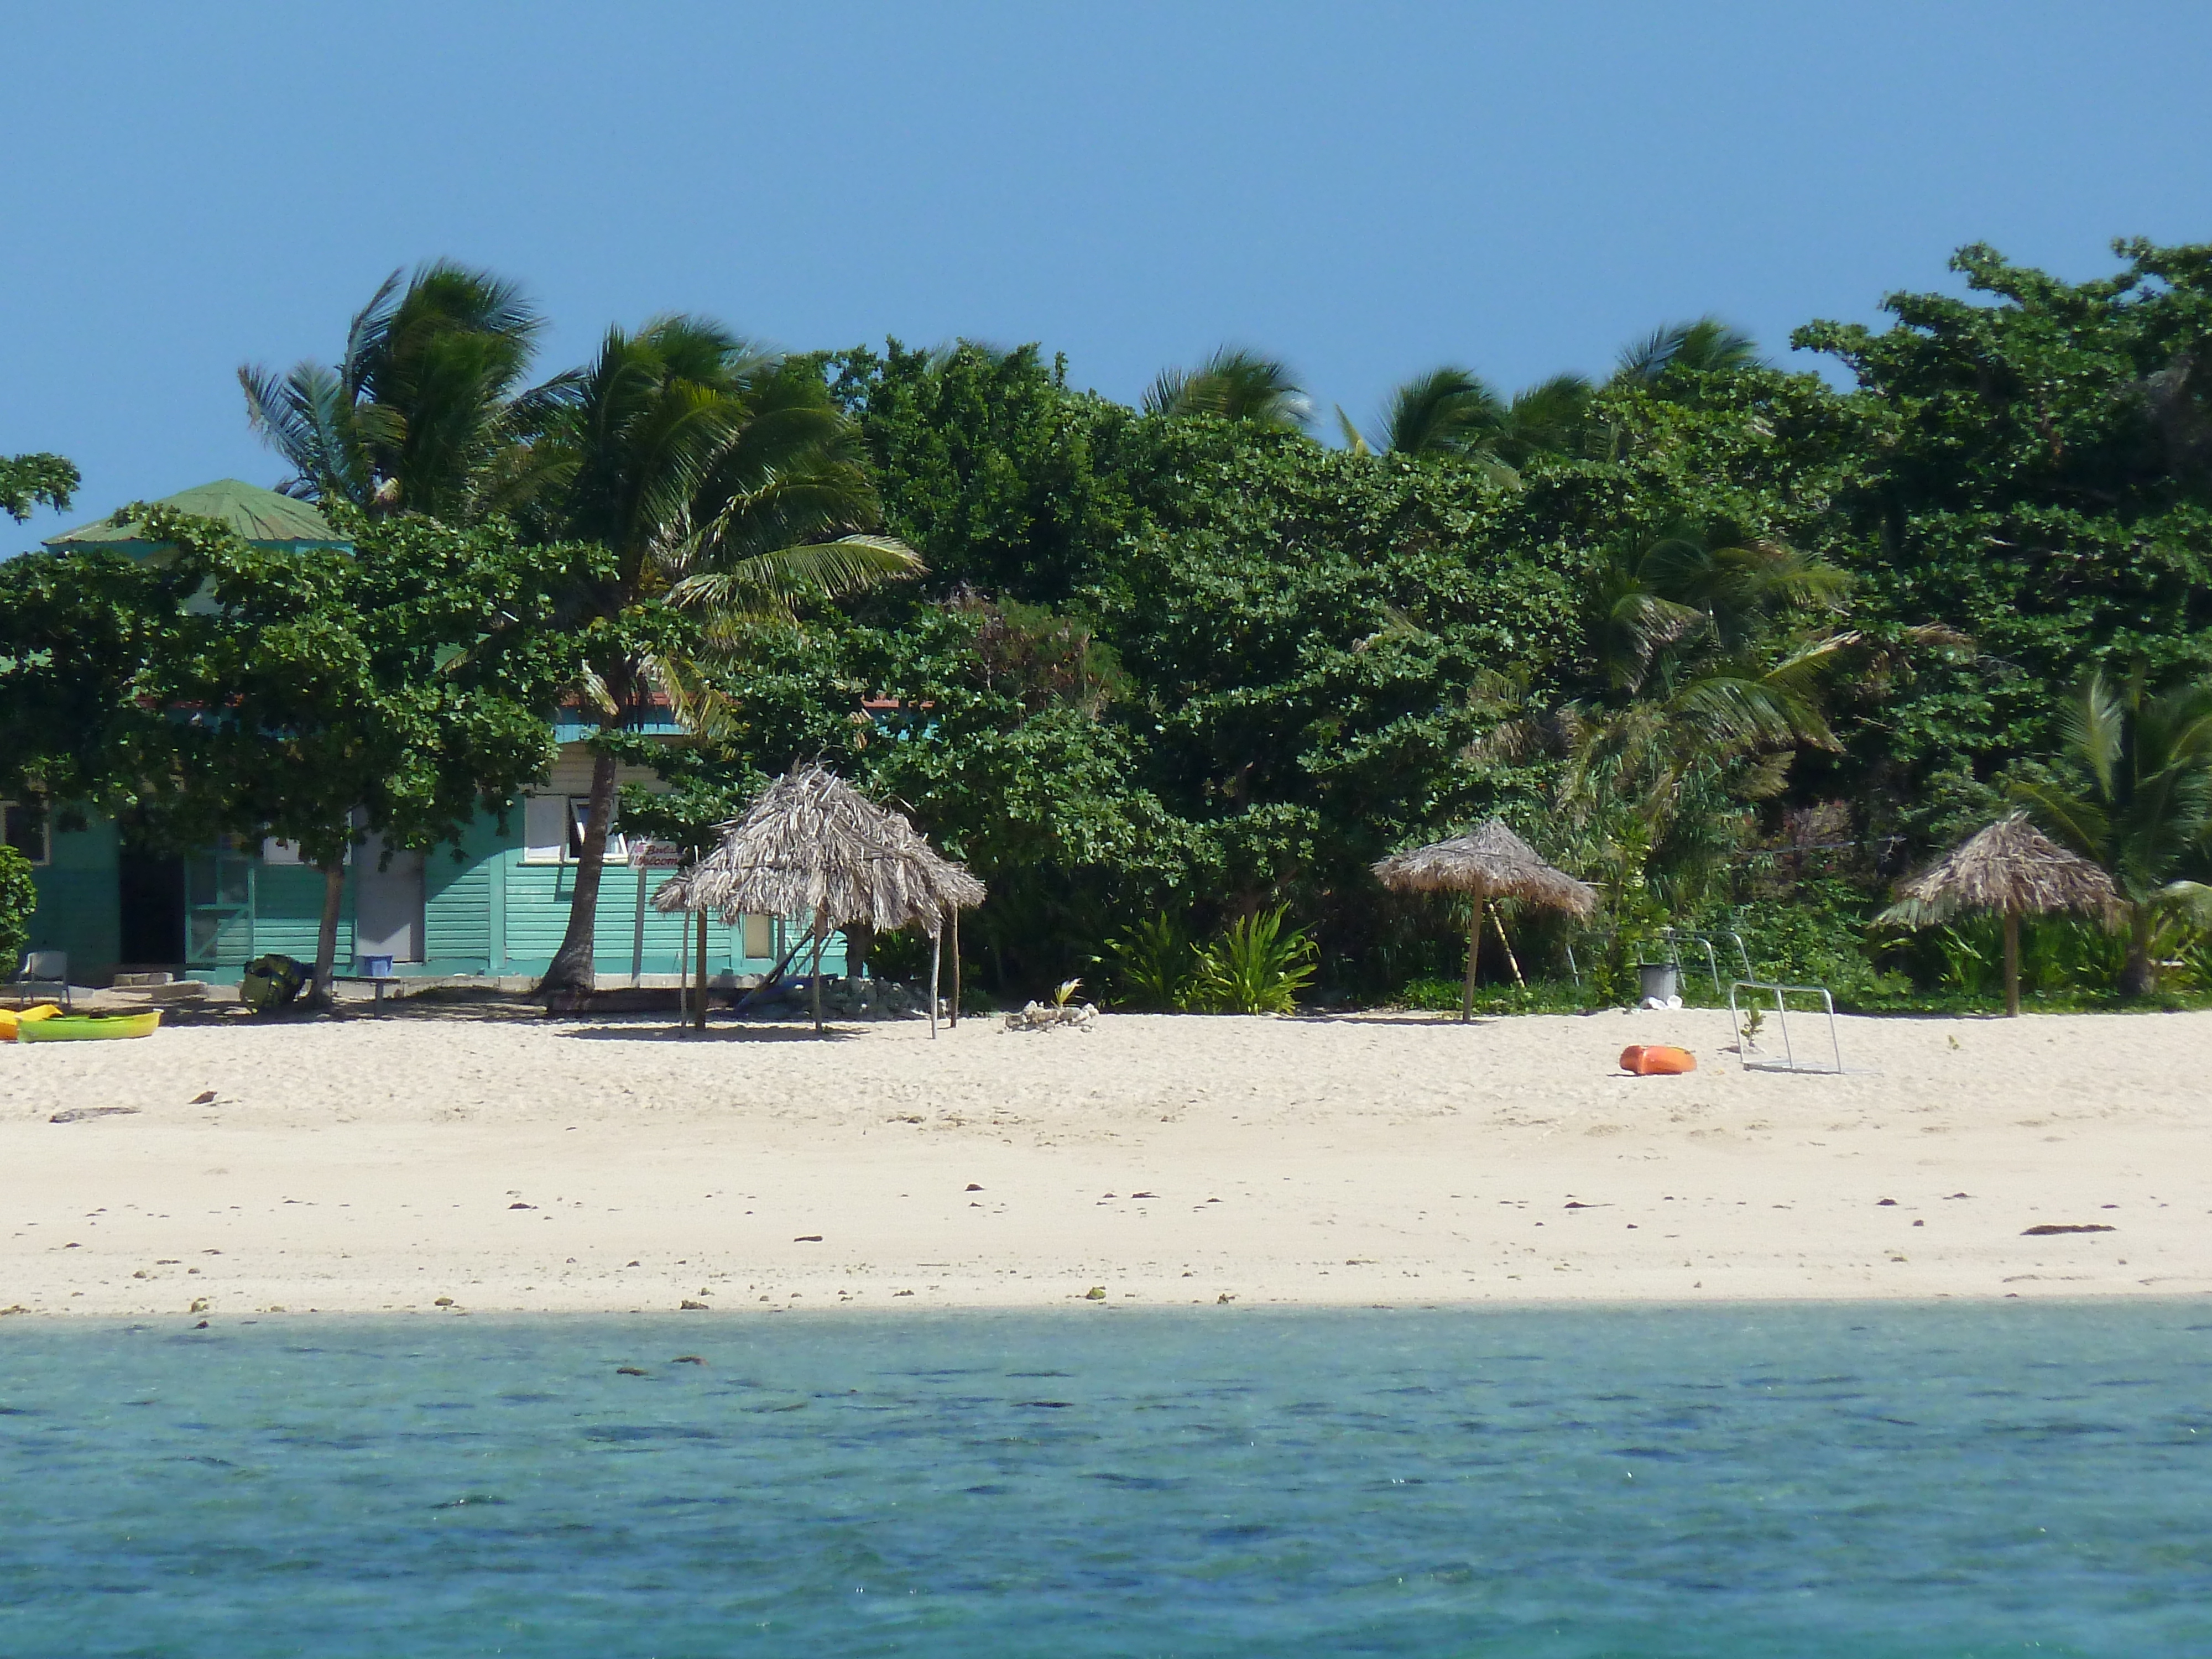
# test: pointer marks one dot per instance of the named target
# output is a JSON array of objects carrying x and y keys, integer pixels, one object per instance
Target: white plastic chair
[{"x": 44, "y": 973}]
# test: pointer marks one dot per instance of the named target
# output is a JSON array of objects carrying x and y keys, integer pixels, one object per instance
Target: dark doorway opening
[{"x": 153, "y": 895}]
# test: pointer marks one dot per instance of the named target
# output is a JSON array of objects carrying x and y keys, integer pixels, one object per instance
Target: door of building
[
  {"x": 388, "y": 905},
  {"x": 150, "y": 890}
]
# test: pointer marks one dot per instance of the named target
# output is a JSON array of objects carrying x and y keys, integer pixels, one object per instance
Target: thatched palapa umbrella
[
  {"x": 812, "y": 845},
  {"x": 1485, "y": 864},
  {"x": 2013, "y": 868}
]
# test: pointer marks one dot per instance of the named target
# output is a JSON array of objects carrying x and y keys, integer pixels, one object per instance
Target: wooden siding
[
  {"x": 288, "y": 914},
  {"x": 80, "y": 905},
  {"x": 485, "y": 911}
]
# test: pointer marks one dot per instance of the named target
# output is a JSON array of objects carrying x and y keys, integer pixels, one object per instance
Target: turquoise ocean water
[{"x": 1848, "y": 1480}]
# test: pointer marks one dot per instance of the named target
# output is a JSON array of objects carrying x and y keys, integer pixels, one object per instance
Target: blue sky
[{"x": 1366, "y": 190}]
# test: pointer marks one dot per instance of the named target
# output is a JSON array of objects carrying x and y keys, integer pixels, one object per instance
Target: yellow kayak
[
  {"x": 88, "y": 1028},
  {"x": 13, "y": 1019}
]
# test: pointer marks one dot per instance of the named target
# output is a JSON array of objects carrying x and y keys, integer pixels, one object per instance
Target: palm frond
[
  {"x": 1447, "y": 410},
  {"x": 2093, "y": 727},
  {"x": 2078, "y": 822},
  {"x": 1235, "y": 385},
  {"x": 773, "y": 585}
]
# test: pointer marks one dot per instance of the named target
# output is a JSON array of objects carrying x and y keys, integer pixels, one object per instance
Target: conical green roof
[{"x": 258, "y": 514}]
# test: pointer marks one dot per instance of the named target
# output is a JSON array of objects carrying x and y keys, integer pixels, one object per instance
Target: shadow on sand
[{"x": 660, "y": 1033}]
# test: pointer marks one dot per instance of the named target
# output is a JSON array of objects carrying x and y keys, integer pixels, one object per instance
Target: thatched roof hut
[
  {"x": 2013, "y": 869},
  {"x": 1488, "y": 863},
  {"x": 812, "y": 845}
]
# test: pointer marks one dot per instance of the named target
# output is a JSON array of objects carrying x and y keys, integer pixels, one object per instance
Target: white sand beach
[{"x": 421, "y": 1161}]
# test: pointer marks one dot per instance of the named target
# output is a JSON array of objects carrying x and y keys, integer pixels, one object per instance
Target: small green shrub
[
  {"x": 1255, "y": 966},
  {"x": 1152, "y": 964},
  {"x": 19, "y": 896}
]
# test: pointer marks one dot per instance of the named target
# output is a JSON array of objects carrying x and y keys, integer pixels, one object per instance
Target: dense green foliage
[
  {"x": 1731, "y": 643},
  {"x": 29, "y": 481},
  {"x": 19, "y": 897},
  {"x": 1734, "y": 644},
  {"x": 217, "y": 688}
]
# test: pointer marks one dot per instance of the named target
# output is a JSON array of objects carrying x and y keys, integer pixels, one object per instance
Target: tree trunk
[
  {"x": 1511, "y": 961},
  {"x": 574, "y": 967},
  {"x": 2138, "y": 976},
  {"x": 2012, "y": 963},
  {"x": 326, "y": 937},
  {"x": 860, "y": 940}
]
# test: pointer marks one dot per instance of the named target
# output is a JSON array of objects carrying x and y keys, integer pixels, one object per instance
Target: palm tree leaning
[
  {"x": 2142, "y": 806},
  {"x": 421, "y": 413},
  {"x": 712, "y": 471}
]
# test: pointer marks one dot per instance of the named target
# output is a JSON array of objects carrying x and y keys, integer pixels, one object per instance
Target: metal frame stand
[
  {"x": 1675, "y": 936},
  {"x": 1781, "y": 993}
]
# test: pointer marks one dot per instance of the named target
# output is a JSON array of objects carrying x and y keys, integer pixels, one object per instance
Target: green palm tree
[
  {"x": 1453, "y": 411},
  {"x": 1550, "y": 417},
  {"x": 1704, "y": 346},
  {"x": 1446, "y": 411},
  {"x": 1706, "y": 688},
  {"x": 2145, "y": 810},
  {"x": 1235, "y": 385},
  {"x": 713, "y": 471},
  {"x": 421, "y": 413}
]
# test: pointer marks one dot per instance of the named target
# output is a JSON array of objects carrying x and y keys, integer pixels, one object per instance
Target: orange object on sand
[{"x": 1657, "y": 1059}]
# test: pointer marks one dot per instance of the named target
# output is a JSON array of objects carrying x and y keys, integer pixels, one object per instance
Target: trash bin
[{"x": 1660, "y": 981}]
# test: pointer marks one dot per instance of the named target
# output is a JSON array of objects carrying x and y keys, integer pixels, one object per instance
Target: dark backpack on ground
[{"x": 270, "y": 982}]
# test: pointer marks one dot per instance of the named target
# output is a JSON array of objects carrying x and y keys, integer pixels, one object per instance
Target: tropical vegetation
[{"x": 1736, "y": 643}]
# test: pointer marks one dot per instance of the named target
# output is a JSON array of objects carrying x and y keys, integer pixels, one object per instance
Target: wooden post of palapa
[
  {"x": 956, "y": 967},
  {"x": 936, "y": 954},
  {"x": 2012, "y": 963},
  {"x": 699, "y": 1013},
  {"x": 683, "y": 973},
  {"x": 821, "y": 920},
  {"x": 1474, "y": 945}
]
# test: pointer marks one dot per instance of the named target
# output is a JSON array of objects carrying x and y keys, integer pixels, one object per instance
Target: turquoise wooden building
[{"x": 495, "y": 908}]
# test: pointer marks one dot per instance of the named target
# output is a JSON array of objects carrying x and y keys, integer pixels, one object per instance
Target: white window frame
[
  {"x": 46, "y": 854},
  {"x": 570, "y": 848}
]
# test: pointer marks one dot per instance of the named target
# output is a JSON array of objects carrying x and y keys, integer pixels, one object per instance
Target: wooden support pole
[
  {"x": 682, "y": 978},
  {"x": 1474, "y": 945},
  {"x": 936, "y": 954},
  {"x": 956, "y": 967},
  {"x": 821, "y": 924},
  {"x": 2012, "y": 963},
  {"x": 699, "y": 1012}
]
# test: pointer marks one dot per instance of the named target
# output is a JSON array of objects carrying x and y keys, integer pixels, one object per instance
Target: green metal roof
[{"x": 258, "y": 514}]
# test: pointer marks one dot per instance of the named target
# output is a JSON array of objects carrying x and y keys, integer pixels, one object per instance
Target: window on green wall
[
  {"x": 553, "y": 829},
  {"x": 23, "y": 827}
]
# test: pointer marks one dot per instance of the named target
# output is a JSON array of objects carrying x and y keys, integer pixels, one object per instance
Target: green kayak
[{"x": 88, "y": 1028}]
